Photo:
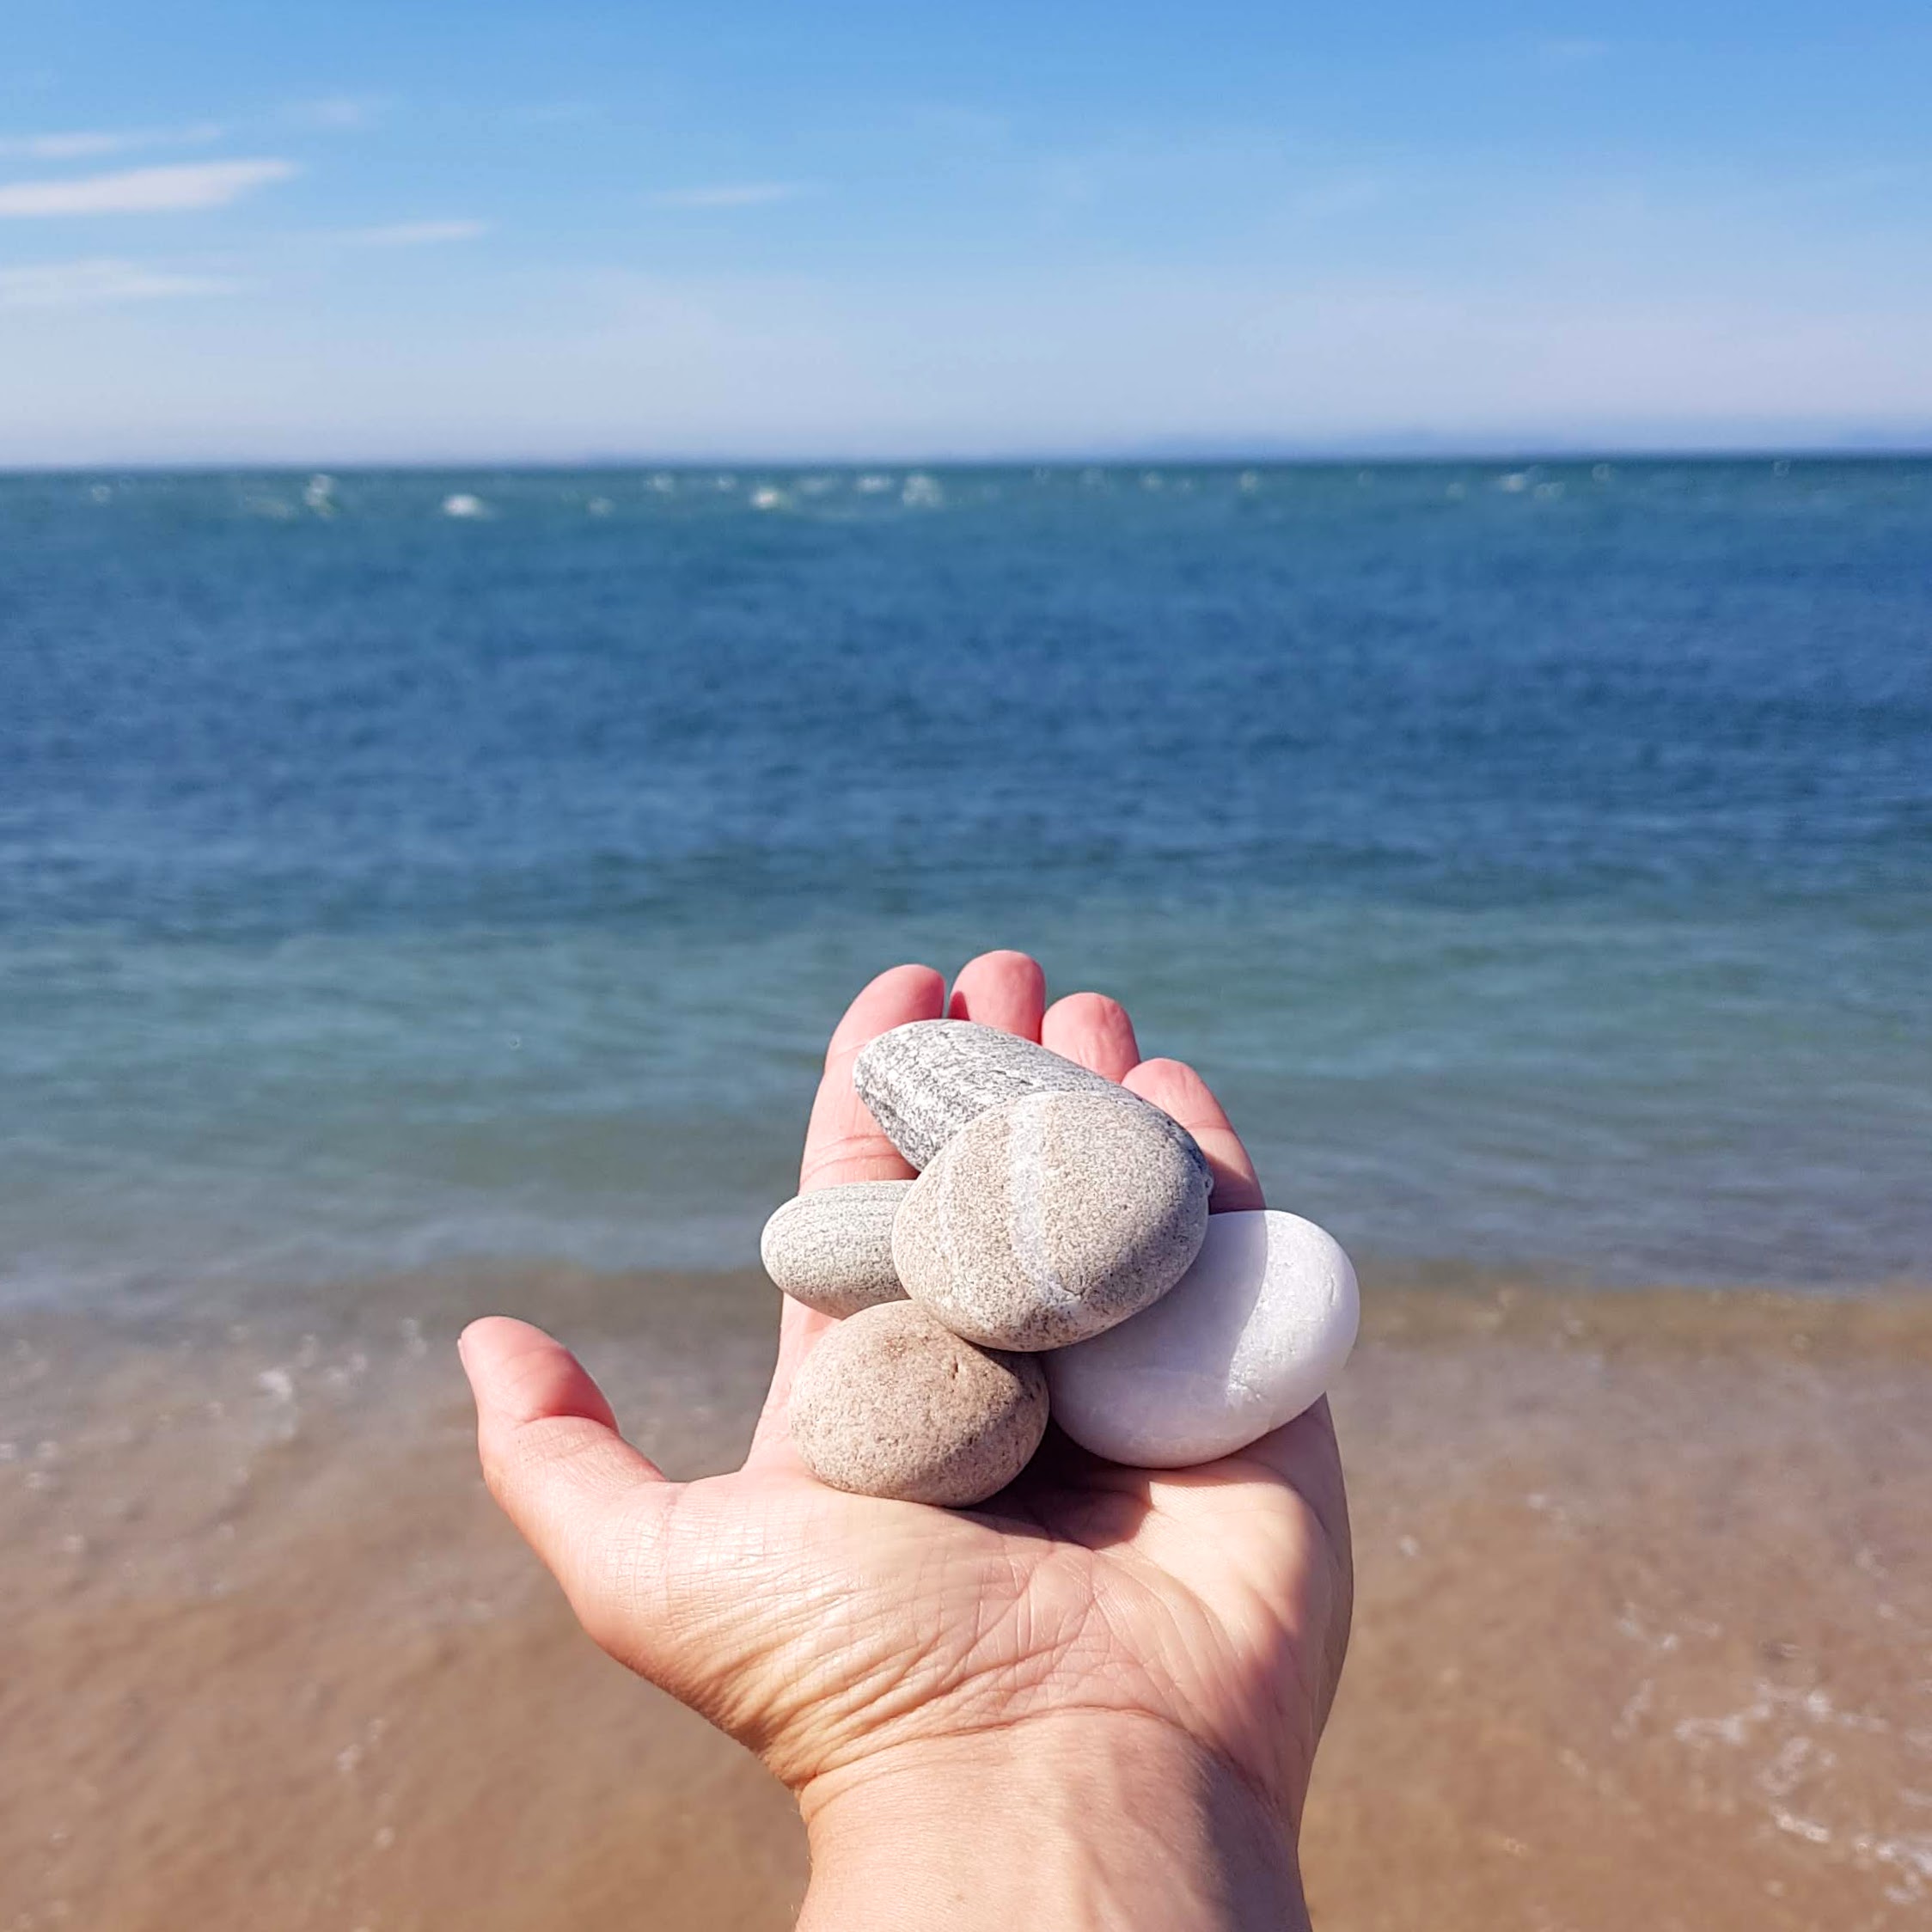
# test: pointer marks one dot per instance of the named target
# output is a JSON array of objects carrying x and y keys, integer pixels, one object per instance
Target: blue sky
[{"x": 380, "y": 232}]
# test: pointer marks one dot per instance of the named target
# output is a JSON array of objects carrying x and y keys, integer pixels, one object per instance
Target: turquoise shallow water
[{"x": 398, "y": 866}]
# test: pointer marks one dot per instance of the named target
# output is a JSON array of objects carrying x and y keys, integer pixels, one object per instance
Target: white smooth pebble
[{"x": 1249, "y": 1336}]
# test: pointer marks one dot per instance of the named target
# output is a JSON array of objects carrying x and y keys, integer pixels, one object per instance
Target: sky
[{"x": 500, "y": 233}]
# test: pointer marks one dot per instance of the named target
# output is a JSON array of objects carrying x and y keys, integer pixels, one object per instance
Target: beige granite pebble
[{"x": 1050, "y": 1219}]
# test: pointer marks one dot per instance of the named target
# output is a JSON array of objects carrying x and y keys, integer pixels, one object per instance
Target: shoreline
[
  {"x": 1642, "y": 1632},
  {"x": 1399, "y": 1296}
]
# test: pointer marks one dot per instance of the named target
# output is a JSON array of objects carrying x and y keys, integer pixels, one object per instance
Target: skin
[{"x": 1094, "y": 1702}]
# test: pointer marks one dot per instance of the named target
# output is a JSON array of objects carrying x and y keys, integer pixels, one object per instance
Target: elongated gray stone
[
  {"x": 890, "y": 1403},
  {"x": 925, "y": 1080},
  {"x": 832, "y": 1249},
  {"x": 1050, "y": 1219},
  {"x": 1252, "y": 1334}
]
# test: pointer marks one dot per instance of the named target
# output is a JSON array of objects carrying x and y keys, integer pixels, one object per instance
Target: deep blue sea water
[{"x": 402, "y": 865}]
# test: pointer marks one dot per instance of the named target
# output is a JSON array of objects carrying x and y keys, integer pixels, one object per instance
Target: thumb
[{"x": 591, "y": 1506}]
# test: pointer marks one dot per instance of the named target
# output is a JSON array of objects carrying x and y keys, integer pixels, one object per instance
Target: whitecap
[
  {"x": 874, "y": 484},
  {"x": 921, "y": 491},
  {"x": 600, "y": 506},
  {"x": 766, "y": 498},
  {"x": 462, "y": 504}
]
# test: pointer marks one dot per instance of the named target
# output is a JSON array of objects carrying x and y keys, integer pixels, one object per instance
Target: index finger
[{"x": 843, "y": 1142}]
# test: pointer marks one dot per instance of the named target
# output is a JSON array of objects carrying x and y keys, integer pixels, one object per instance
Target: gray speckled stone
[
  {"x": 924, "y": 1081},
  {"x": 1050, "y": 1219},
  {"x": 832, "y": 1249},
  {"x": 891, "y": 1404}
]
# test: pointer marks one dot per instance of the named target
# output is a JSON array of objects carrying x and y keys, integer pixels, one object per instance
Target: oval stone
[
  {"x": 925, "y": 1080},
  {"x": 1251, "y": 1335},
  {"x": 1052, "y": 1218},
  {"x": 832, "y": 1249},
  {"x": 890, "y": 1403}
]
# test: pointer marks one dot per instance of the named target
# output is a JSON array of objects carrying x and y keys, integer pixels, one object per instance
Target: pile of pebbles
[{"x": 1056, "y": 1254}]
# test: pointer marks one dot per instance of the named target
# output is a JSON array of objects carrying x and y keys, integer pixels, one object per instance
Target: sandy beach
[{"x": 1643, "y": 1635}]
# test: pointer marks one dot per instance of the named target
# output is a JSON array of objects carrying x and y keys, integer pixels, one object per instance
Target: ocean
[{"x": 399, "y": 868}]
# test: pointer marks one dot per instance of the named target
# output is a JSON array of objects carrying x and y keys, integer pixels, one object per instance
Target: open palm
[{"x": 828, "y": 1631}]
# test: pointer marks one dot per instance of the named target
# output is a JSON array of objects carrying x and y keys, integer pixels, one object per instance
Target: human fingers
[
  {"x": 1175, "y": 1087},
  {"x": 843, "y": 1142},
  {"x": 1004, "y": 989},
  {"x": 554, "y": 1460},
  {"x": 1093, "y": 1030}
]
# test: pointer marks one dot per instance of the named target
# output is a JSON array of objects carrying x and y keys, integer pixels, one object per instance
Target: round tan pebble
[
  {"x": 832, "y": 1249},
  {"x": 1052, "y": 1218},
  {"x": 890, "y": 1403}
]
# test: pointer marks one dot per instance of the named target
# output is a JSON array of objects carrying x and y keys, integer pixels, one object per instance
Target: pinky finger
[{"x": 1175, "y": 1087}]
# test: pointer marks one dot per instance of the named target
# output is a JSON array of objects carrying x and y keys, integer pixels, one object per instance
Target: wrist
[{"x": 1066, "y": 1823}]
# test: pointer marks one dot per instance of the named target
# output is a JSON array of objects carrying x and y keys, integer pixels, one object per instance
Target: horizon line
[{"x": 1324, "y": 456}]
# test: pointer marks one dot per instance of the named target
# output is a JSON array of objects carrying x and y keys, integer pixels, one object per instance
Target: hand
[{"x": 1104, "y": 1689}]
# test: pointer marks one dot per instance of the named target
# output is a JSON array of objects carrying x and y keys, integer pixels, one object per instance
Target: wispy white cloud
[
  {"x": 1571, "y": 50},
  {"x": 85, "y": 144},
  {"x": 87, "y": 284},
  {"x": 335, "y": 113},
  {"x": 412, "y": 235},
  {"x": 142, "y": 191},
  {"x": 731, "y": 194}
]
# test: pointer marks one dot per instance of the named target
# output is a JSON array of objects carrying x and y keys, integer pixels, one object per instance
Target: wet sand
[{"x": 1643, "y": 1634}]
